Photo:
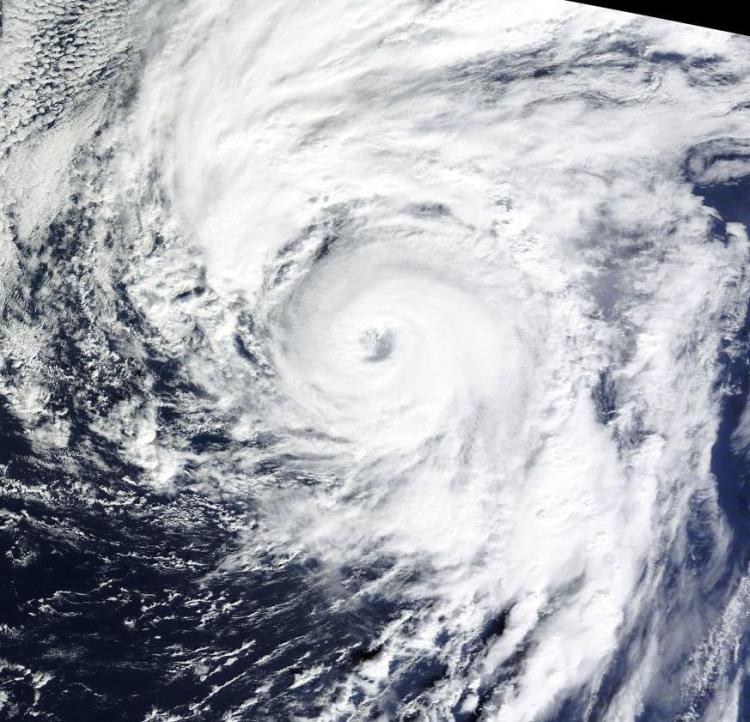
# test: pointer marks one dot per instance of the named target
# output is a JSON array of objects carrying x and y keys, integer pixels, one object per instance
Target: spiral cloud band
[{"x": 374, "y": 362}]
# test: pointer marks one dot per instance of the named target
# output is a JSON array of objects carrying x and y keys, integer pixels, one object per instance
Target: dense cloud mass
[{"x": 372, "y": 361}]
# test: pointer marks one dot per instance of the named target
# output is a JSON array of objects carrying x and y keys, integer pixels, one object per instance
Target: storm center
[{"x": 378, "y": 345}]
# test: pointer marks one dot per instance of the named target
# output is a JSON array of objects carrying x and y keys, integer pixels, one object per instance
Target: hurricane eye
[{"x": 378, "y": 345}]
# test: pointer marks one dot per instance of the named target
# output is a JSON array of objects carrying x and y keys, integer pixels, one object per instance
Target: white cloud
[{"x": 447, "y": 222}]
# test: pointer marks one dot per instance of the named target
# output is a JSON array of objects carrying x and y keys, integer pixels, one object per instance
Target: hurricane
[{"x": 372, "y": 362}]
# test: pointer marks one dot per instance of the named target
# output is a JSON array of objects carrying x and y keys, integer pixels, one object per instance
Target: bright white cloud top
[{"x": 439, "y": 307}]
